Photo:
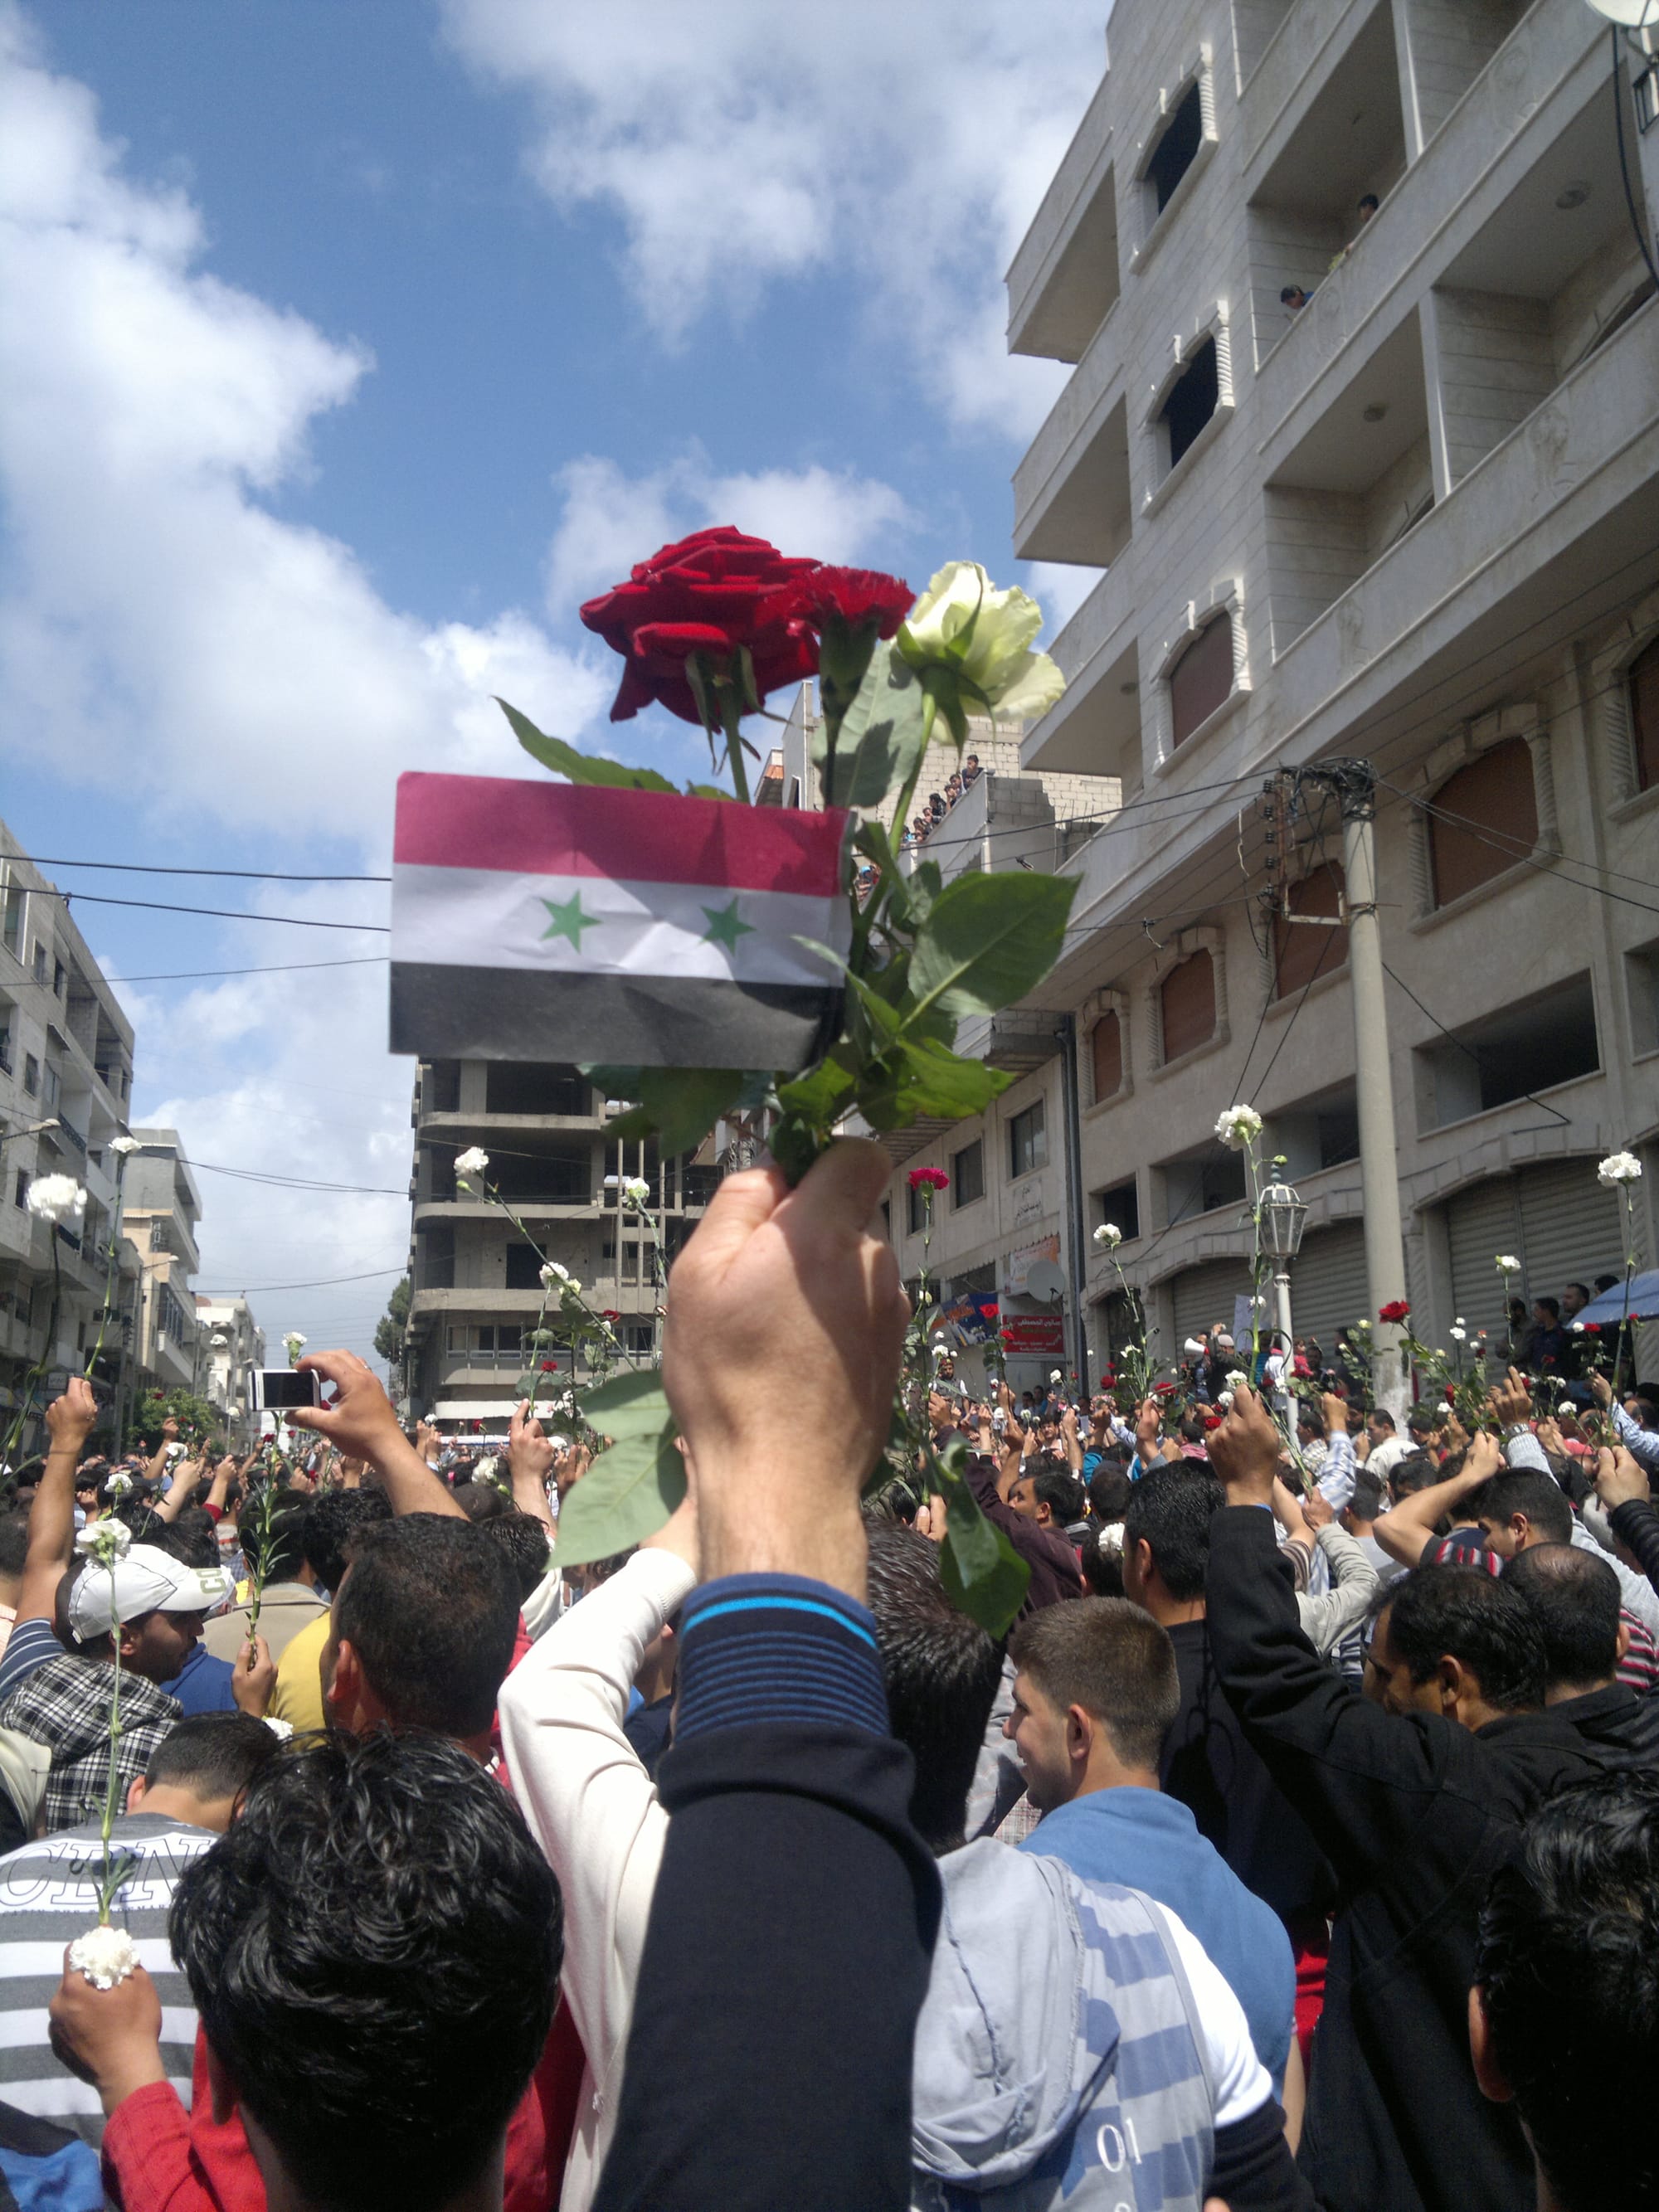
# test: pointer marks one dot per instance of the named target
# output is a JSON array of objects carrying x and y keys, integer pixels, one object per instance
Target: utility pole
[{"x": 1354, "y": 783}]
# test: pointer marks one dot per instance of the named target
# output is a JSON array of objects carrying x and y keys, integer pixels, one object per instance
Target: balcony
[
  {"x": 1095, "y": 728},
  {"x": 1063, "y": 280},
  {"x": 1071, "y": 492}
]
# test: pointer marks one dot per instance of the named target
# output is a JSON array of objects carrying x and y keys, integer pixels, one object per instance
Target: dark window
[
  {"x": 968, "y": 1173},
  {"x": 1202, "y": 678},
  {"x": 1191, "y": 400},
  {"x": 513, "y": 1087},
  {"x": 12, "y": 928},
  {"x": 1106, "y": 1050},
  {"x": 1338, "y": 1135},
  {"x": 1305, "y": 949},
  {"x": 58, "y": 974},
  {"x": 1120, "y": 1205},
  {"x": 1523, "y": 1048},
  {"x": 442, "y": 1092},
  {"x": 524, "y": 1267},
  {"x": 31, "y": 1074},
  {"x": 20, "y": 1189},
  {"x": 1172, "y": 156},
  {"x": 1028, "y": 1141},
  {"x": 436, "y": 1270},
  {"x": 1484, "y": 820},
  {"x": 917, "y": 1208},
  {"x": 40, "y": 963},
  {"x": 1645, "y": 716},
  {"x": 1188, "y": 1004},
  {"x": 507, "y": 1336}
]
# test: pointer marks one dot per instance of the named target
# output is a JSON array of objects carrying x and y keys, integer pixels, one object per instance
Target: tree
[
  {"x": 197, "y": 1419},
  {"x": 389, "y": 1329}
]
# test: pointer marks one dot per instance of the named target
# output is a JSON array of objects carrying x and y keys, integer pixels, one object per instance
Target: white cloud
[
  {"x": 611, "y": 520},
  {"x": 156, "y": 617},
  {"x": 746, "y": 142}
]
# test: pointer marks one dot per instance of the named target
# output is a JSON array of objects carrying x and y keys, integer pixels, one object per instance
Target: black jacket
[
  {"x": 1415, "y": 1813},
  {"x": 1619, "y": 1728},
  {"x": 1636, "y": 1524}
]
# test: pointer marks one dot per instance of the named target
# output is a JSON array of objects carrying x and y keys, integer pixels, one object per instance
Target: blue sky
[{"x": 345, "y": 348}]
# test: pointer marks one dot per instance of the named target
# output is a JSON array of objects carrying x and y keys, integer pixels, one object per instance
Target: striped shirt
[{"x": 49, "y": 1896}]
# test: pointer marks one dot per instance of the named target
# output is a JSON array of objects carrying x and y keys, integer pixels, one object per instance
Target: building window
[
  {"x": 916, "y": 1208},
  {"x": 58, "y": 974},
  {"x": 1645, "y": 717},
  {"x": 159, "y": 1240},
  {"x": 1202, "y": 678},
  {"x": 1305, "y": 949},
  {"x": 1514, "y": 1053},
  {"x": 1177, "y": 148},
  {"x": 534, "y": 1087},
  {"x": 40, "y": 963},
  {"x": 1106, "y": 1053},
  {"x": 54, "y": 1083},
  {"x": 967, "y": 1174},
  {"x": 31, "y": 1075},
  {"x": 1192, "y": 401},
  {"x": 1483, "y": 820},
  {"x": 1120, "y": 1205},
  {"x": 1187, "y": 1002},
  {"x": 524, "y": 1267},
  {"x": 12, "y": 928},
  {"x": 20, "y": 1189},
  {"x": 1028, "y": 1141}
]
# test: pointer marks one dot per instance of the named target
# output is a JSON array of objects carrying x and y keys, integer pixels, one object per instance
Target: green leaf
[
  {"x": 984, "y": 1577},
  {"x": 580, "y": 767},
  {"x": 679, "y": 1105},
  {"x": 988, "y": 940},
  {"x": 626, "y": 1495},
  {"x": 795, "y": 1143},
  {"x": 629, "y": 1405},
  {"x": 942, "y": 1084},
  {"x": 881, "y": 738},
  {"x": 818, "y": 1096},
  {"x": 708, "y": 791}
]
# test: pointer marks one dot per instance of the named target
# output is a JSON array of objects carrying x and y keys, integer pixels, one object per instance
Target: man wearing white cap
[{"x": 57, "y": 1678}]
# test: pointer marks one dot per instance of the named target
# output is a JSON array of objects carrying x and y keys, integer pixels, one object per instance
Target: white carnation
[
  {"x": 105, "y": 1955},
  {"x": 122, "y": 1145},
  {"x": 473, "y": 1161},
  {"x": 552, "y": 1273},
  {"x": 1237, "y": 1379},
  {"x": 1619, "y": 1168},
  {"x": 56, "y": 1198},
  {"x": 1238, "y": 1126},
  {"x": 105, "y": 1541},
  {"x": 635, "y": 1191},
  {"x": 1459, "y": 1335},
  {"x": 1108, "y": 1236},
  {"x": 1055, "y": 1375}
]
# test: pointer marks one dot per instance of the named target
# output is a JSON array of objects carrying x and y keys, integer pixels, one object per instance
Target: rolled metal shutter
[
  {"x": 1327, "y": 1283},
  {"x": 1572, "y": 1228},
  {"x": 1480, "y": 1223},
  {"x": 1205, "y": 1295}
]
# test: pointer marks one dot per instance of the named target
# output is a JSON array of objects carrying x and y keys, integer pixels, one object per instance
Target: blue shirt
[
  {"x": 203, "y": 1684},
  {"x": 1150, "y": 1842}
]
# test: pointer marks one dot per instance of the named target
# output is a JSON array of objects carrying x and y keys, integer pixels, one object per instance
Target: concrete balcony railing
[
  {"x": 1077, "y": 418},
  {"x": 1290, "y": 74},
  {"x": 1035, "y": 273}
]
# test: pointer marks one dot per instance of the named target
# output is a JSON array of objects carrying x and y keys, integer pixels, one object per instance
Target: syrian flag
[{"x": 561, "y": 921}]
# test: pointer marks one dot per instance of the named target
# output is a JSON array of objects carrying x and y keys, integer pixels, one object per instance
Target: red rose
[
  {"x": 609, "y": 1314},
  {"x": 550, "y": 1367},
  {"x": 1162, "y": 1390},
  {"x": 929, "y": 1179},
  {"x": 1590, "y": 1327},
  {"x": 716, "y": 593},
  {"x": 1396, "y": 1309}
]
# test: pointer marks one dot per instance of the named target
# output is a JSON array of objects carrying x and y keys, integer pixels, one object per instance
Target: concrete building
[
  {"x": 66, "y": 1080},
  {"x": 475, "y": 1277},
  {"x": 1413, "y": 521},
  {"x": 162, "y": 1210},
  {"x": 231, "y": 1342}
]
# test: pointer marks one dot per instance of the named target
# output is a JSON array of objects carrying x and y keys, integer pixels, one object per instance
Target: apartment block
[
  {"x": 1407, "y": 517},
  {"x": 231, "y": 1342},
  {"x": 162, "y": 1213},
  {"x": 476, "y": 1272},
  {"x": 65, "y": 1080}
]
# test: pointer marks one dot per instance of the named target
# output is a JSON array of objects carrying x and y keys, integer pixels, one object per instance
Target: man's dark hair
[
  {"x": 1416, "y": 1471},
  {"x": 1552, "y": 1307},
  {"x": 1466, "y": 1614},
  {"x": 333, "y": 1519},
  {"x": 1287, "y": 293},
  {"x": 1567, "y": 1963},
  {"x": 1109, "y": 1491},
  {"x": 192, "y": 1537},
  {"x": 431, "y": 1608},
  {"x": 1112, "y": 1659},
  {"x": 1171, "y": 1510},
  {"x": 375, "y": 1949},
  {"x": 1102, "y": 1565},
  {"x": 13, "y": 1542},
  {"x": 1366, "y": 1503},
  {"x": 1057, "y": 1488},
  {"x": 1368, "y": 200},
  {"x": 941, "y": 1670},
  {"x": 1191, "y": 1424},
  {"x": 287, "y": 1553},
  {"x": 1309, "y": 1417},
  {"x": 1423, "y": 1421},
  {"x": 1382, "y": 1416},
  {"x": 481, "y": 1501},
  {"x": 524, "y": 1540},
  {"x": 1523, "y": 1490},
  {"x": 1573, "y": 1598},
  {"x": 214, "y": 1754},
  {"x": 1583, "y": 1290},
  {"x": 1604, "y": 1283}
]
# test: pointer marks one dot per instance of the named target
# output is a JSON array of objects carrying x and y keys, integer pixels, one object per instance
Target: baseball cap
[{"x": 147, "y": 1580}]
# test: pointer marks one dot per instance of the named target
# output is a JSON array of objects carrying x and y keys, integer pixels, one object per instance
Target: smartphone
[{"x": 276, "y": 1389}]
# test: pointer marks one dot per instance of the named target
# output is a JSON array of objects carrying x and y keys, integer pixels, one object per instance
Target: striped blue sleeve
[
  {"x": 28, "y": 1648},
  {"x": 776, "y": 1648}
]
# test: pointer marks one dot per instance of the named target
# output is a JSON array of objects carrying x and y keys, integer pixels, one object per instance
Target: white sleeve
[
  {"x": 1636, "y": 1593},
  {"x": 1241, "y": 2081},
  {"x": 590, "y": 1803},
  {"x": 1326, "y": 1619}
]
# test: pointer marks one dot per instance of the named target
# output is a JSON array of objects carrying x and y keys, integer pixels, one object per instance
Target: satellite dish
[
  {"x": 1044, "y": 1280},
  {"x": 1637, "y": 14}
]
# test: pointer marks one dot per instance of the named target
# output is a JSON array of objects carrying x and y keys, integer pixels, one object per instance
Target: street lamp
[{"x": 1284, "y": 1216}]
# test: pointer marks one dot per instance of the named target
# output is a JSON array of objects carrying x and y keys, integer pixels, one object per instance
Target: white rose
[
  {"x": 122, "y": 1145},
  {"x": 998, "y": 664},
  {"x": 56, "y": 1198},
  {"x": 1508, "y": 1264},
  {"x": 1459, "y": 1335},
  {"x": 553, "y": 1273},
  {"x": 1443, "y": 1407},
  {"x": 1237, "y": 1379},
  {"x": 1238, "y": 1126},
  {"x": 1619, "y": 1168},
  {"x": 1055, "y": 1375},
  {"x": 571, "y": 1287},
  {"x": 472, "y": 1162},
  {"x": 105, "y": 1955},
  {"x": 635, "y": 1191},
  {"x": 1108, "y": 1236}
]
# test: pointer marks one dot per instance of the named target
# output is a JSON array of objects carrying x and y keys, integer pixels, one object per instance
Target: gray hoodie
[{"x": 1056, "y": 2059}]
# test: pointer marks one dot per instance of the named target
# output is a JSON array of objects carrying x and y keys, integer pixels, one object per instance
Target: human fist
[{"x": 1244, "y": 1451}]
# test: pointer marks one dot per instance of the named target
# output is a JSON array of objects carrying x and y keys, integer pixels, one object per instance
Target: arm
[
  {"x": 1622, "y": 1487},
  {"x": 52, "y": 1516},
  {"x": 1336, "y": 1476},
  {"x": 782, "y": 1784},
  {"x": 1407, "y": 1533},
  {"x": 158, "y": 1466},
  {"x": 1068, "y": 1434},
  {"x": 529, "y": 1457},
  {"x": 359, "y": 1419},
  {"x": 180, "y": 1490},
  {"x": 1328, "y": 1619}
]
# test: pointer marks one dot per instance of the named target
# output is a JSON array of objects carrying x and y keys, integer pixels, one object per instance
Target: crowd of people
[
  {"x": 918, "y": 830},
  {"x": 1298, "y": 1845}
]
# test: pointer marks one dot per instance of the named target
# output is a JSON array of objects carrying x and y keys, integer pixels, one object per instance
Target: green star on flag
[
  {"x": 724, "y": 926},
  {"x": 569, "y": 920}
]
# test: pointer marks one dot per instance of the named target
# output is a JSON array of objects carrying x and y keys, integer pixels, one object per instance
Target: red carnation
[
  {"x": 1590, "y": 1327},
  {"x": 856, "y": 597},
  {"x": 611, "y": 1314},
  {"x": 1395, "y": 1309},
  {"x": 1162, "y": 1390},
  {"x": 717, "y": 593},
  {"x": 550, "y": 1367},
  {"x": 929, "y": 1179}
]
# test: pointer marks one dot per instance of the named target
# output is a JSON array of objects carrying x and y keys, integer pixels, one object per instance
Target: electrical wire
[
  {"x": 213, "y": 912},
  {"x": 280, "y": 968},
  {"x": 1473, "y": 1052},
  {"x": 155, "y": 868},
  {"x": 1624, "y": 159}
]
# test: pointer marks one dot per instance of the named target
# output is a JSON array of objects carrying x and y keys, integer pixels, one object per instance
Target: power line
[
  {"x": 280, "y": 968},
  {"x": 317, "y": 1282},
  {"x": 155, "y": 868},
  {"x": 213, "y": 912},
  {"x": 1477, "y": 1057}
]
